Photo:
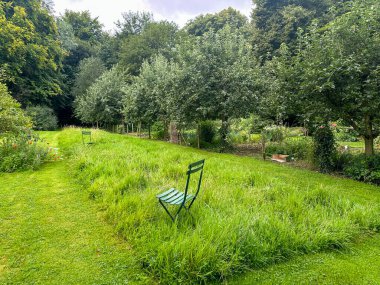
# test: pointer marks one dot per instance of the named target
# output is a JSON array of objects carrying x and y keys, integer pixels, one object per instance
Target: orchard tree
[
  {"x": 156, "y": 38},
  {"x": 90, "y": 69},
  {"x": 147, "y": 99},
  {"x": 102, "y": 103},
  {"x": 221, "y": 78},
  {"x": 341, "y": 69}
]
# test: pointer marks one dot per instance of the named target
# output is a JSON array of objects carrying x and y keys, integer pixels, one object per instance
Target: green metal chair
[
  {"x": 87, "y": 134},
  {"x": 175, "y": 197}
]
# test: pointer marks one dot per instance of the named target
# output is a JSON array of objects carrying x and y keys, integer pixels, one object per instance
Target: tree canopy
[
  {"x": 30, "y": 51},
  {"x": 216, "y": 22}
]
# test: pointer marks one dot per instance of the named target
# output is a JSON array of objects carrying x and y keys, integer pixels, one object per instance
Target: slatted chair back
[
  {"x": 86, "y": 134},
  {"x": 194, "y": 168}
]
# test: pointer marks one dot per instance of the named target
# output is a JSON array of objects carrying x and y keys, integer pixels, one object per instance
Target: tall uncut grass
[{"x": 249, "y": 213}]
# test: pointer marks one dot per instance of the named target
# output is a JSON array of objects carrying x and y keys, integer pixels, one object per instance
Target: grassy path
[{"x": 51, "y": 233}]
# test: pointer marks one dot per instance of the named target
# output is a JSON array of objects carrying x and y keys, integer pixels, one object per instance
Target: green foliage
[
  {"x": 207, "y": 90},
  {"x": 338, "y": 72},
  {"x": 133, "y": 23},
  {"x": 361, "y": 167},
  {"x": 233, "y": 230},
  {"x": 207, "y": 131},
  {"x": 345, "y": 134},
  {"x": 66, "y": 35},
  {"x": 90, "y": 69},
  {"x": 82, "y": 37},
  {"x": 43, "y": 118},
  {"x": 324, "y": 149},
  {"x": 145, "y": 100},
  {"x": 86, "y": 28},
  {"x": 30, "y": 51},
  {"x": 274, "y": 133},
  {"x": 102, "y": 103},
  {"x": 277, "y": 22},
  {"x": 296, "y": 148},
  {"x": 157, "y": 37},
  {"x": 159, "y": 131},
  {"x": 20, "y": 153},
  {"x": 215, "y": 22},
  {"x": 12, "y": 118}
]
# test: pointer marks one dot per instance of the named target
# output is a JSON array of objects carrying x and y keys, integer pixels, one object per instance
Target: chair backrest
[
  {"x": 193, "y": 168},
  {"x": 86, "y": 133}
]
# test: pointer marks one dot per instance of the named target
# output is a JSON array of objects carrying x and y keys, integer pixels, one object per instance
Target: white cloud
[
  {"x": 108, "y": 11},
  {"x": 180, "y": 12}
]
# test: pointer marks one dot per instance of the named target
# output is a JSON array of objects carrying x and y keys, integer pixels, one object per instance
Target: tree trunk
[
  {"x": 173, "y": 132},
  {"x": 369, "y": 145},
  {"x": 223, "y": 134},
  {"x": 368, "y": 137},
  {"x": 149, "y": 132}
]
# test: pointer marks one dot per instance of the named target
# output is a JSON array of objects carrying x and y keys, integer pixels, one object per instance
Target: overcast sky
[{"x": 179, "y": 11}]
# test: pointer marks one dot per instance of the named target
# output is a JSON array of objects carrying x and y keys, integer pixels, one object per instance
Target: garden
[{"x": 281, "y": 106}]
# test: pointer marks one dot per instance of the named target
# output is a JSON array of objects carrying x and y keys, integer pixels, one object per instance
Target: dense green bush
[
  {"x": 159, "y": 131},
  {"x": 12, "y": 118},
  {"x": 297, "y": 148},
  {"x": 361, "y": 167},
  {"x": 238, "y": 137},
  {"x": 324, "y": 149},
  {"x": 43, "y": 117},
  {"x": 274, "y": 133},
  {"x": 208, "y": 132},
  {"x": 20, "y": 153}
]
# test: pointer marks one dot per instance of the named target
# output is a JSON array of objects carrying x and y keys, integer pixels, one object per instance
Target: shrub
[
  {"x": 361, "y": 167},
  {"x": 298, "y": 149},
  {"x": 159, "y": 131},
  {"x": 20, "y": 153},
  {"x": 207, "y": 132},
  {"x": 43, "y": 117},
  {"x": 274, "y": 133},
  {"x": 324, "y": 149},
  {"x": 238, "y": 137},
  {"x": 12, "y": 118}
]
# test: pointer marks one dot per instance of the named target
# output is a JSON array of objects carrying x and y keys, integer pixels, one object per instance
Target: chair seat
[{"x": 174, "y": 197}]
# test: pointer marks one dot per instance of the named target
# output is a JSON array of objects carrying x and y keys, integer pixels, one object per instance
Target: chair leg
[
  {"x": 167, "y": 211},
  {"x": 188, "y": 211},
  {"x": 192, "y": 201}
]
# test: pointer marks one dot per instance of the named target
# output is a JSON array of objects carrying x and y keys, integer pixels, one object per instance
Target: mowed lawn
[
  {"x": 284, "y": 225},
  {"x": 51, "y": 233}
]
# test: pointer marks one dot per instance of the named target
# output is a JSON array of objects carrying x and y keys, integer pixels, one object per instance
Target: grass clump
[{"x": 250, "y": 213}]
